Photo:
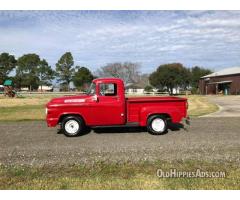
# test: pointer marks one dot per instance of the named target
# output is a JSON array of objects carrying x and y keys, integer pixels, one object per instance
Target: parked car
[{"x": 105, "y": 105}]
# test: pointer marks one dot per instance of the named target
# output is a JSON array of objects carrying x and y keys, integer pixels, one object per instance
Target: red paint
[{"x": 97, "y": 110}]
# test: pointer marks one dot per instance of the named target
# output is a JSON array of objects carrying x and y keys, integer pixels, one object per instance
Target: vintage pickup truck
[{"x": 105, "y": 105}]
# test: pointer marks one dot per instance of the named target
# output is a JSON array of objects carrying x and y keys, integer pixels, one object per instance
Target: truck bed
[{"x": 136, "y": 105}]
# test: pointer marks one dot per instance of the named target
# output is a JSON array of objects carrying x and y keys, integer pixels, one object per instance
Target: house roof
[
  {"x": 227, "y": 71},
  {"x": 134, "y": 85},
  {"x": 138, "y": 85}
]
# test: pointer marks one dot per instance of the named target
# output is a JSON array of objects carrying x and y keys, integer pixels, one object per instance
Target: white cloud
[{"x": 150, "y": 37}]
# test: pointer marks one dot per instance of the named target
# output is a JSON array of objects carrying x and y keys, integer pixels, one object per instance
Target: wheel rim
[
  {"x": 72, "y": 127},
  {"x": 158, "y": 125}
]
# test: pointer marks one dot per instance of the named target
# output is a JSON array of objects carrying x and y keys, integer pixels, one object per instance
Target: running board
[{"x": 131, "y": 124}]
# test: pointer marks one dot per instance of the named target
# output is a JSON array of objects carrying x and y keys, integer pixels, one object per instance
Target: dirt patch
[{"x": 229, "y": 106}]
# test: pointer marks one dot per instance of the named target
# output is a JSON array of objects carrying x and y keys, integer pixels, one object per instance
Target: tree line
[
  {"x": 175, "y": 75},
  {"x": 31, "y": 71},
  {"x": 165, "y": 78}
]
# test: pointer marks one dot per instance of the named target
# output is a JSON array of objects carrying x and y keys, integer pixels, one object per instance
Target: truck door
[{"x": 110, "y": 107}]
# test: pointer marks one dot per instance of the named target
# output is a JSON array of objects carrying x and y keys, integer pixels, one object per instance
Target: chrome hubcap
[
  {"x": 158, "y": 125},
  {"x": 72, "y": 127}
]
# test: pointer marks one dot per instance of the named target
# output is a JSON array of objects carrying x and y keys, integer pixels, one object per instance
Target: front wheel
[
  {"x": 157, "y": 125},
  {"x": 72, "y": 126}
]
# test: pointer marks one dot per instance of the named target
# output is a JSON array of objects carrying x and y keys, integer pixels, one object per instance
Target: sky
[{"x": 194, "y": 38}]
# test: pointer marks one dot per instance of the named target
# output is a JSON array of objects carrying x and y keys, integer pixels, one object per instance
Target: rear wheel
[
  {"x": 72, "y": 126},
  {"x": 157, "y": 125}
]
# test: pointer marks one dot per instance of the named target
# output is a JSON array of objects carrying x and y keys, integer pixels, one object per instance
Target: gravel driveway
[
  {"x": 229, "y": 106},
  {"x": 32, "y": 143}
]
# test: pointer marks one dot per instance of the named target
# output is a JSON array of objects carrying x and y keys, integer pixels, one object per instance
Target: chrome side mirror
[{"x": 95, "y": 98}]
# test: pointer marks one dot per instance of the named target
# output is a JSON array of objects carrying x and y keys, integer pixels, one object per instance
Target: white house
[
  {"x": 45, "y": 88},
  {"x": 135, "y": 88}
]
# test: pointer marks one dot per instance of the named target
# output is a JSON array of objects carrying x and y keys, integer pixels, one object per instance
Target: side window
[{"x": 108, "y": 89}]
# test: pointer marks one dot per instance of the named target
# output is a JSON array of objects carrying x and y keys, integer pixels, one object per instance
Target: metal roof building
[{"x": 226, "y": 81}]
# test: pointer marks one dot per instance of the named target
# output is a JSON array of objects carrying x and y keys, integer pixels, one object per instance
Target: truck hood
[{"x": 66, "y": 100}]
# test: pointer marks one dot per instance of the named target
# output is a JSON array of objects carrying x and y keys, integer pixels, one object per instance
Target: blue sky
[{"x": 204, "y": 38}]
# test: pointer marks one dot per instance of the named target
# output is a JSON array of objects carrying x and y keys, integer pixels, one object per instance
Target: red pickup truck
[{"x": 105, "y": 105}]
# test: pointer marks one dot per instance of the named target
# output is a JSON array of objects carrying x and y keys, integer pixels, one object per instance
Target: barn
[{"x": 226, "y": 81}]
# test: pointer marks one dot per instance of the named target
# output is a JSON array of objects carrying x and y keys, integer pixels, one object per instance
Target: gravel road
[{"x": 32, "y": 143}]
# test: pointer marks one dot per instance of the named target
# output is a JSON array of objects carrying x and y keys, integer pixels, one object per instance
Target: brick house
[{"x": 226, "y": 81}]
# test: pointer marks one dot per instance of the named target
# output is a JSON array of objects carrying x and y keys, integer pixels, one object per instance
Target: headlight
[{"x": 46, "y": 111}]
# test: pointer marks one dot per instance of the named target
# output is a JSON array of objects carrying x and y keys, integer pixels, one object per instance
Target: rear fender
[{"x": 145, "y": 112}]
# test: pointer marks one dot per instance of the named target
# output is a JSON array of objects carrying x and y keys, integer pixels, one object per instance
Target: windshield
[{"x": 92, "y": 89}]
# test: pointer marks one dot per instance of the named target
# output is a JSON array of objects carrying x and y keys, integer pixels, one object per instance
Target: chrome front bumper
[
  {"x": 187, "y": 120},
  {"x": 186, "y": 123}
]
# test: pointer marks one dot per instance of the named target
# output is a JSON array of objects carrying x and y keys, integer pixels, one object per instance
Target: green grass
[
  {"x": 117, "y": 176},
  {"x": 20, "y": 113}
]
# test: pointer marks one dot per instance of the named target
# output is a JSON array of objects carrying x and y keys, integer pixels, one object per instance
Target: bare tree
[{"x": 127, "y": 71}]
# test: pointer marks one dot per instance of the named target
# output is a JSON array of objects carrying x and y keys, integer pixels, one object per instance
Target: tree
[
  {"x": 127, "y": 71},
  {"x": 148, "y": 88},
  {"x": 27, "y": 71},
  {"x": 45, "y": 73},
  {"x": 196, "y": 74},
  {"x": 7, "y": 64},
  {"x": 64, "y": 68},
  {"x": 170, "y": 76},
  {"x": 82, "y": 77}
]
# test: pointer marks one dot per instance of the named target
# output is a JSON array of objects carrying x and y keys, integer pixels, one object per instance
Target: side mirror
[{"x": 95, "y": 98}]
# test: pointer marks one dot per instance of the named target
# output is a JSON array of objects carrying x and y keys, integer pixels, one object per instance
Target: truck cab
[
  {"x": 109, "y": 106},
  {"x": 105, "y": 105}
]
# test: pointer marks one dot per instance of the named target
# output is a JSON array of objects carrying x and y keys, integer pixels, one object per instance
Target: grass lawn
[
  {"x": 118, "y": 176},
  {"x": 33, "y": 107},
  {"x": 25, "y": 108},
  {"x": 199, "y": 105}
]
